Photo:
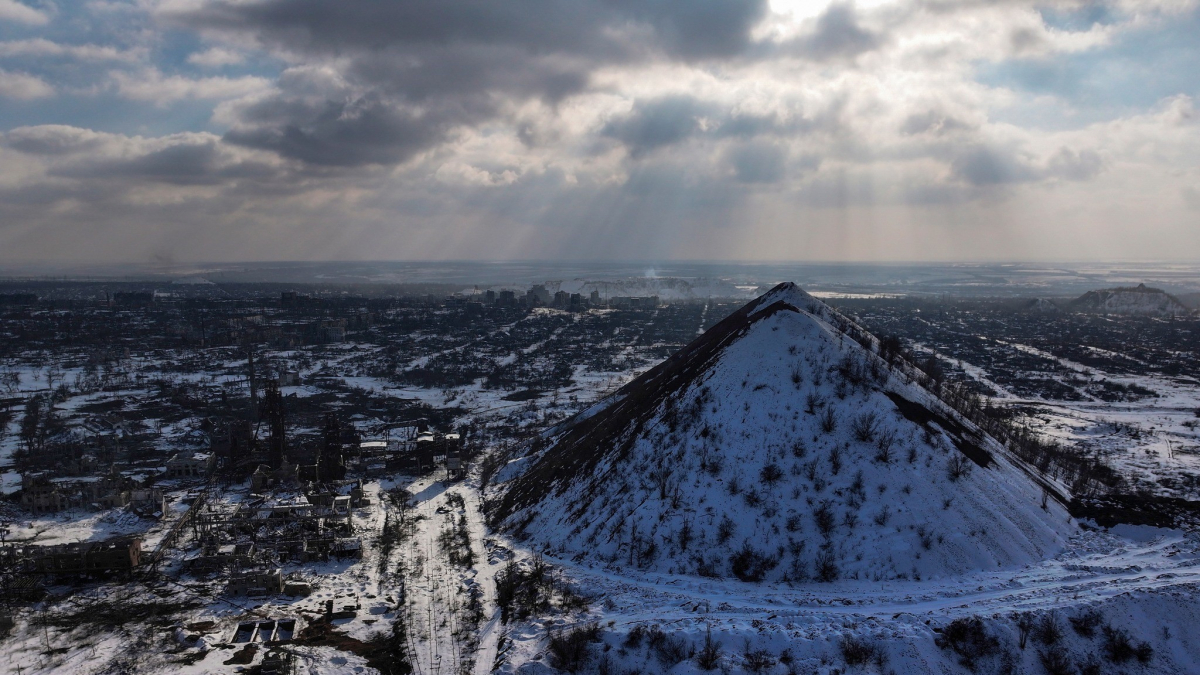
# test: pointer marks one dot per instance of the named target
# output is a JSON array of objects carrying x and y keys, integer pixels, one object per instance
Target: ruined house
[
  {"x": 190, "y": 464},
  {"x": 112, "y": 555}
]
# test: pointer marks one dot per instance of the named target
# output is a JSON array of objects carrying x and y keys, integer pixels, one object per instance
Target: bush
[
  {"x": 725, "y": 530},
  {"x": 1086, "y": 624},
  {"x": 1119, "y": 647},
  {"x": 969, "y": 639},
  {"x": 958, "y": 466},
  {"x": 884, "y": 515},
  {"x": 710, "y": 654},
  {"x": 633, "y": 639},
  {"x": 748, "y": 564},
  {"x": 669, "y": 649},
  {"x": 823, "y": 517},
  {"x": 569, "y": 649},
  {"x": 1047, "y": 630},
  {"x": 771, "y": 474},
  {"x": 857, "y": 651},
  {"x": 828, "y": 420},
  {"x": 826, "y": 567},
  {"x": 864, "y": 427},
  {"x": 757, "y": 660},
  {"x": 1055, "y": 662}
]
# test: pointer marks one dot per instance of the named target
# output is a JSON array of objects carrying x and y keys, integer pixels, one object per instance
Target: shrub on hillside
[
  {"x": 569, "y": 648},
  {"x": 749, "y": 564},
  {"x": 864, "y": 426},
  {"x": 710, "y": 653},
  {"x": 1086, "y": 623},
  {"x": 857, "y": 650},
  {"x": 969, "y": 639}
]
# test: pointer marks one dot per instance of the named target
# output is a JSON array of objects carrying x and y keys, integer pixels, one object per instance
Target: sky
[{"x": 160, "y": 131}]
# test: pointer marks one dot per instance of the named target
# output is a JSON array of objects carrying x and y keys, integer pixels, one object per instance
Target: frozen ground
[
  {"x": 1143, "y": 581},
  {"x": 1154, "y": 441}
]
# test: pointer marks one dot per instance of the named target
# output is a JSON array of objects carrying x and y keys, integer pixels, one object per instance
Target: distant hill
[
  {"x": 776, "y": 447},
  {"x": 1042, "y": 305},
  {"x": 1139, "y": 300}
]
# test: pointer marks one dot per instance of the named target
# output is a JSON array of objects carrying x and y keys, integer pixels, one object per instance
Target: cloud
[
  {"x": 757, "y": 162},
  {"x": 128, "y": 164},
  {"x": 11, "y": 10},
  {"x": 468, "y": 128},
  {"x": 658, "y": 123},
  {"x": 416, "y": 71},
  {"x": 22, "y": 86},
  {"x": 706, "y": 28},
  {"x": 836, "y": 33},
  {"x": 41, "y": 47},
  {"x": 354, "y": 133},
  {"x": 985, "y": 166},
  {"x": 153, "y": 86},
  {"x": 934, "y": 122},
  {"x": 216, "y": 57},
  {"x": 53, "y": 139}
]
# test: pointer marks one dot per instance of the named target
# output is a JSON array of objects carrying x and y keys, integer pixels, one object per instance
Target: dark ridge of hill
[{"x": 588, "y": 437}]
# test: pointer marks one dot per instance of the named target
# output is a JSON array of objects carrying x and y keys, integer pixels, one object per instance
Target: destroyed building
[{"x": 113, "y": 555}]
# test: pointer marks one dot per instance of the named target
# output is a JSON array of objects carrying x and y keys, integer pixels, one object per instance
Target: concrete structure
[
  {"x": 256, "y": 583},
  {"x": 191, "y": 464},
  {"x": 41, "y": 494},
  {"x": 148, "y": 501},
  {"x": 112, "y": 555}
]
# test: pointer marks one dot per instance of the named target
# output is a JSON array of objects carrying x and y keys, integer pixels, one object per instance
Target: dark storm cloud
[
  {"x": 183, "y": 164},
  {"x": 187, "y": 163},
  {"x": 658, "y": 123},
  {"x": 421, "y": 68},
  {"x": 333, "y": 133},
  {"x": 694, "y": 29}
]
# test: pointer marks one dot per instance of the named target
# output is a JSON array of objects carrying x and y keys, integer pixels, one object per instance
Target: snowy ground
[
  {"x": 1154, "y": 441},
  {"x": 1142, "y": 580}
]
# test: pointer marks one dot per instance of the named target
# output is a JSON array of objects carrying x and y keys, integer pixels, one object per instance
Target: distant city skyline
[{"x": 168, "y": 132}]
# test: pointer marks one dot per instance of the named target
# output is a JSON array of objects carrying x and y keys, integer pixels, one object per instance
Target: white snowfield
[{"x": 772, "y": 464}]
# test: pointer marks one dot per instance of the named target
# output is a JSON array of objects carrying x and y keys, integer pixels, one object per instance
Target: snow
[{"x": 1000, "y": 553}]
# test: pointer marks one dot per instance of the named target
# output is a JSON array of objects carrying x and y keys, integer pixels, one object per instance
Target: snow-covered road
[{"x": 1095, "y": 566}]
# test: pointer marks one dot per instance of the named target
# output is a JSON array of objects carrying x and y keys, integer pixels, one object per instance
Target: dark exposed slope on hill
[{"x": 582, "y": 441}]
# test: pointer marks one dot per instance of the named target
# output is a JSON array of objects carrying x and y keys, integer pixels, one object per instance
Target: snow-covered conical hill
[{"x": 775, "y": 447}]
